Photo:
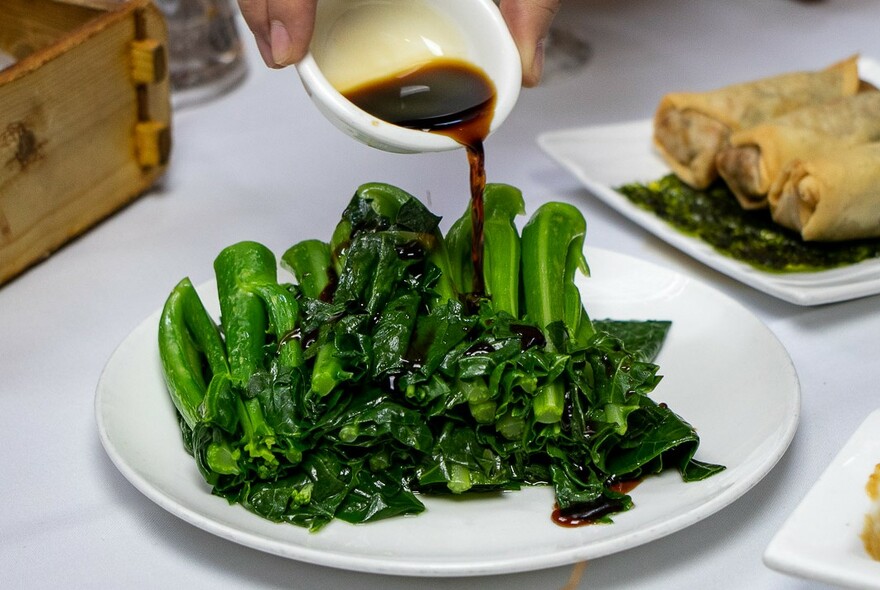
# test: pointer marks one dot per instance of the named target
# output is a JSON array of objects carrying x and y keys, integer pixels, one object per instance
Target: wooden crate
[{"x": 85, "y": 118}]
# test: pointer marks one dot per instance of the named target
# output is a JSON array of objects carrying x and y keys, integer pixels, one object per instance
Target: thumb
[{"x": 529, "y": 21}]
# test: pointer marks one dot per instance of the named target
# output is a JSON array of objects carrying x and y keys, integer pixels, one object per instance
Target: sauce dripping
[
  {"x": 456, "y": 99},
  {"x": 447, "y": 96}
]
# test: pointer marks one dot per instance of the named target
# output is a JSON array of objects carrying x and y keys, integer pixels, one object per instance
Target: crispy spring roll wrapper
[
  {"x": 690, "y": 128},
  {"x": 756, "y": 156},
  {"x": 832, "y": 197}
]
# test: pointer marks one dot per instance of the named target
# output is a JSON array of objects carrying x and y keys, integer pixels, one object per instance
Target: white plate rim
[{"x": 754, "y": 469}]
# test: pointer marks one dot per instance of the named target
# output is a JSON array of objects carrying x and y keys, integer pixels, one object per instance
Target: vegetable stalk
[
  {"x": 552, "y": 251},
  {"x": 501, "y": 248},
  {"x": 311, "y": 263},
  {"x": 189, "y": 339},
  {"x": 252, "y": 304}
]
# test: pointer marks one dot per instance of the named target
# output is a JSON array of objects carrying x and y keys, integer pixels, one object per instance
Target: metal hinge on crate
[
  {"x": 85, "y": 118},
  {"x": 149, "y": 66}
]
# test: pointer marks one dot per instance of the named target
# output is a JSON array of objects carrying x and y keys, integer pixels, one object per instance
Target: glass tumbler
[{"x": 205, "y": 53}]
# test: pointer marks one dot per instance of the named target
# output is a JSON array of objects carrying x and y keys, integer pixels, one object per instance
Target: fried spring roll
[
  {"x": 756, "y": 156},
  {"x": 832, "y": 197},
  {"x": 690, "y": 128}
]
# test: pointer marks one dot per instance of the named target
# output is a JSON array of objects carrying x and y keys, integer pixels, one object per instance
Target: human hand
[
  {"x": 283, "y": 30},
  {"x": 529, "y": 22}
]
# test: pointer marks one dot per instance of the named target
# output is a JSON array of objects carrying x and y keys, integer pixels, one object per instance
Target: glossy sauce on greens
[
  {"x": 456, "y": 99},
  {"x": 446, "y": 96},
  {"x": 584, "y": 514}
]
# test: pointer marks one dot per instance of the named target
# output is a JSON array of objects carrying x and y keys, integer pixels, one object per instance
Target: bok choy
[{"x": 374, "y": 377}]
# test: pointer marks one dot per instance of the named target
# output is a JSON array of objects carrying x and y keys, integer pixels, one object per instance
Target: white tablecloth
[{"x": 261, "y": 163}]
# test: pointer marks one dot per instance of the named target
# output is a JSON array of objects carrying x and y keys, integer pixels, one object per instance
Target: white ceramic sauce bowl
[{"x": 357, "y": 41}]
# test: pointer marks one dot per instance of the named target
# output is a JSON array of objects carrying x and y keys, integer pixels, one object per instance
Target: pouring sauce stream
[{"x": 447, "y": 96}]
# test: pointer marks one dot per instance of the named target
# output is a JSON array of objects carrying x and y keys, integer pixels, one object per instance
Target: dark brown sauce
[
  {"x": 446, "y": 96},
  {"x": 479, "y": 349},
  {"x": 529, "y": 336},
  {"x": 624, "y": 486},
  {"x": 585, "y": 514},
  {"x": 570, "y": 520}
]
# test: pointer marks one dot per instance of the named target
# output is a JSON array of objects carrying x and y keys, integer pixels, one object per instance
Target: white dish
[
  {"x": 711, "y": 335},
  {"x": 613, "y": 155},
  {"x": 820, "y": 540},
  {"x": 371, "y": 36}
]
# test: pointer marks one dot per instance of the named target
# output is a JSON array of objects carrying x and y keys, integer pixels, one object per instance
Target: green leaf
[{"x": 371, "y": 380}]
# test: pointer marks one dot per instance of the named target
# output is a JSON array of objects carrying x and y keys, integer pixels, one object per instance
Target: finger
[
  {"x": 256, "y": 16},
  {"x": 529, "y": 21},
  {"x": 291, "y": 23}
]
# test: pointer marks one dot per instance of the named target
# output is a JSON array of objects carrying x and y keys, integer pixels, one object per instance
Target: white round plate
[{"x": 724, "y": 372}]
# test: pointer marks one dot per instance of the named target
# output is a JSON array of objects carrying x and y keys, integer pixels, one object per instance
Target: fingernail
[
  {"x": 265, "y": 52},
  {"x": 280, "y": 40},
  {"x": 537, "y": 69},
  {"x": 532, "y": 65}
]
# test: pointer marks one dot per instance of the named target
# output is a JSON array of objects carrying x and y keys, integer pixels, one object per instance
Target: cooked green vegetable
[
  {"x": 310, "y": 262},
  {"x": 378, "y": 375},
  {"x": 553, "y": 243},
  {"x": 501, "y": 248},
  {"x": 251, "y": 303},
  {"x": 189, "y": 339},
  {"x": 751, "y": 236}
]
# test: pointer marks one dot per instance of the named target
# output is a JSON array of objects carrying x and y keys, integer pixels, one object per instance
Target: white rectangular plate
[
  {"x": 821, "y": 539},
  {"x": 609, "y": 156}
]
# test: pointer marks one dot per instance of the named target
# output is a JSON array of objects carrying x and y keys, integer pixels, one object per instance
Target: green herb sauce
[{"x": 714, "y": 216}]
